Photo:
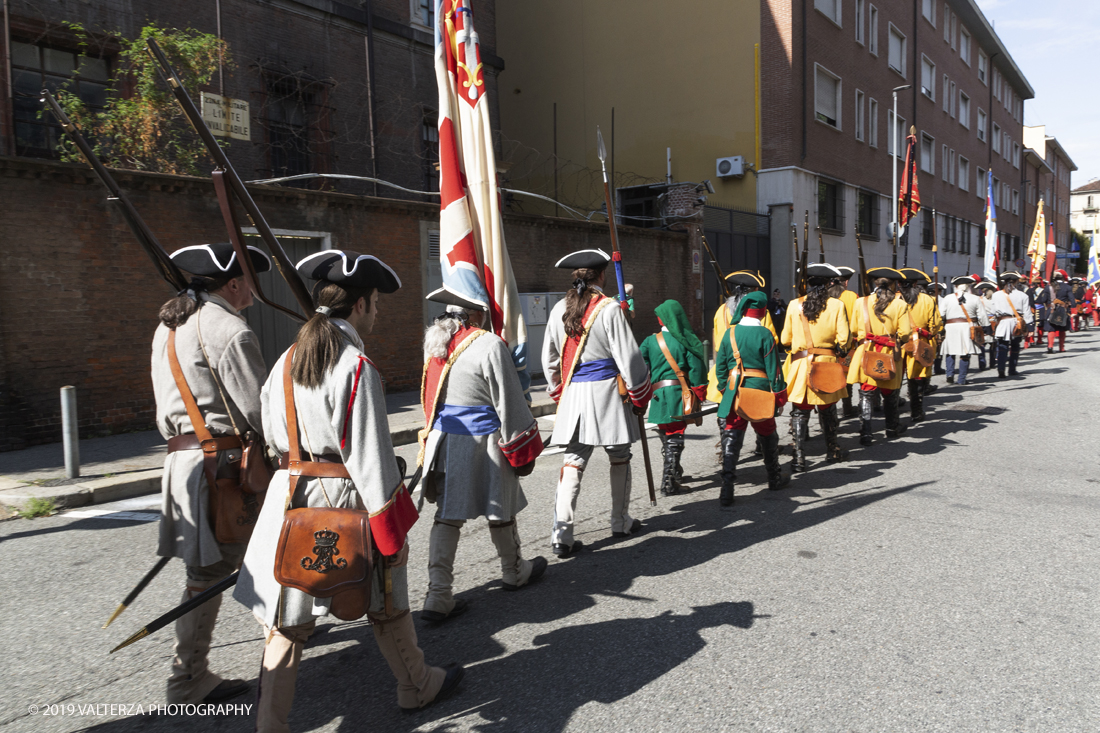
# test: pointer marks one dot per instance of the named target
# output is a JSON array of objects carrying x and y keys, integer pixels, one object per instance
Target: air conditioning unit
[{"x": 732, "y": 167}]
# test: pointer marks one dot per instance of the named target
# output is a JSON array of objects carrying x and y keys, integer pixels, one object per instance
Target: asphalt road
[{"x": 945, "y": 581}]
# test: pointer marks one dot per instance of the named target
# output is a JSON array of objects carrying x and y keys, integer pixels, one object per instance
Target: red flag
[
  {"x": 909, "y": 195},
  {"x": 1052, "y": 251}
]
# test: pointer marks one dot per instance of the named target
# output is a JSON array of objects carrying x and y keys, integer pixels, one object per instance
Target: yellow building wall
[{"x": 679, "y": 76}]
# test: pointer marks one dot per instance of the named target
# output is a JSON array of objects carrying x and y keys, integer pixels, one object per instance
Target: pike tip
[
  {"x": 116, "y": 614},
  {"x": 601, "y": 151},
  {"x": 136, "y": 637}
]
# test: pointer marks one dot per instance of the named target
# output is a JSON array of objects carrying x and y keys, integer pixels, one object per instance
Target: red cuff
[
  {"x": 781, "y": 398},
  {"x": 884, "y": 341},
  {"x": 700, "y": 392},
  {"x": 555, "y": 393},
  {"x": 391, "y": 523},
  {"x": 525, "y": 448},
  {"x": 641, "y": 394}
]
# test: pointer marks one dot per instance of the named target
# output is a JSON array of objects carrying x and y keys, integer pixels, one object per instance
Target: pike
[
  {"x": 821, "y": 247},
  {"x": 805, "y": 253},
  {"x": 864, "y": 286},
  {"x": 166, "y": 268},
  {"x": 717, "y": 268},
  {"x": 617, "y": 259},
  {"x": 935, "y": 253},
  {"x": 224, "y": 172},
  {"x": 795, "y": 274}
]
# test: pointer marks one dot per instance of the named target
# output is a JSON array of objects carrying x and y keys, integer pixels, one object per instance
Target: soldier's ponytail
[
  {"x": 576, "y": 300},
  {"x": 176, "y": 311},
  {"x": 884, "y": 296},
  {"x": 816, "y": 299},
  {"x": 320, "y": 342}
]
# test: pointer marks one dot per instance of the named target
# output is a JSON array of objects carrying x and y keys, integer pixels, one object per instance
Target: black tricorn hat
[
  {"x": 845, "y": 271},
  {"x": 963, "y": 280},
  {"x": 884, "y": 272},
  {"x": 591, "y": 259},
  {"x": 823, "y": 270},
  {"x": 217, "y": 260},
  {"x": 985, "y": 284},
  {"x": 746, "y": 278},
  {"x": 913, "y": 275},
  {"x": 449, "y": 297},
  {"x": 344, "y": 267},
  {"x": 1009, "y": 277}
]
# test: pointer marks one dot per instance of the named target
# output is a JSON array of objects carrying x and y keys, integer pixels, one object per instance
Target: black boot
[
  {"x": 894, "y": 428},
  {"x": 668, "y": 486},
  {"x": 916, "y": 399},
  {"x": 830, "y": 426},
  {"x": 928, "y": 389},
  {"x": 776, "y": 479},
  {"x": 849, "y": 409},
  {"x": 865, "y": 418},
  {"x": 799, "y": 421},
  {"x": 732, "y": 440},
  {"x": 676, "y": 446}
]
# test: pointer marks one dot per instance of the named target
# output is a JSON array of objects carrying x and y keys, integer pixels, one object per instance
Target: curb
[{"x": 15, "y": 494}]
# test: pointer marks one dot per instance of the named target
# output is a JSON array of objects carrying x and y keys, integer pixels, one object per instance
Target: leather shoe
[
  {"x": 437, "y": 617},
  {"x": 538, "y": 567},
  {"x": 634, "y": 529},
  {"x": 227, "y": 690},
  {"x": 455, "y": 673},
  {"x": 563, "y": 551}
]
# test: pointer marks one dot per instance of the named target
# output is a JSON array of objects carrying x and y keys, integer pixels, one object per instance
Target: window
[
  {"x": 945, "y": 168},
  {"x": 859, "y": 22},
  {"x": 964, "y": 46},
  {"x": 927, "y": 222},
  {"x": 981, "y": 125},
  {"x": 946, "y": 96},
  {"x": 897, "y": 50},
  {"x": 895, "y": 131},
  {"x": 946, "y": 22},
  {"x": 1015, "y": 202},
  {"x": 979, "y": 184},
  {"x": 983, "y": 64},
  {"x": 830, "y": 9},
  {"x": 423, "y": 12},
  {"x": 927, "y": 78},
  {"x": 827, "y": 97},
  {"x": 964, "y": 110},
  {"x": 868, "y": 214},
  {"x": 429, "y": 136},
  {"x": 830, "y": 205},
  {"x": 954, "y": 28},
  {"x": 293, "y": 113},
  {"x": 872, "y": 138},
  {"x": 996, "y": 138},
  {"x": 965, "y": 228},
  {"x": 954, "y": 100},
  {"x": 872, "y": 31},
  {"x": 36, "y": 67},
  {"x": 996, "y": 191},
  {"x": 861, "y": 132},
  {"x": 1015, "y": 155},
  {"x": 953, "y": 169},
  {"x": 928, "y": 10},
  {"x": 964, "y": 174},
  {"x": 996, "y": 84},
  {"x": 927, "y": 153}
]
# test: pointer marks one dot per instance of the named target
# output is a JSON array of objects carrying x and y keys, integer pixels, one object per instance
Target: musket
[
  {"x": 717, "y": 268},
  {"x": 968, "y": 265},
  {"x": 138, "y": 589},
  {"x": 282, "y": 262},
  {"x": 703, "y": 412},
  {"x": 166, "y": 268},
  {"x": 794, "y": 262},
  {"x": 821, "y": 247},
  {"x": 805, "y": 254},
  {"x": 617, "y": 259},
  {"x": 864, "y": 286}
]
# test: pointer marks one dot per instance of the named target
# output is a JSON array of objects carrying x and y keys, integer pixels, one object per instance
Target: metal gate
[{"x": 741, "y": 240}]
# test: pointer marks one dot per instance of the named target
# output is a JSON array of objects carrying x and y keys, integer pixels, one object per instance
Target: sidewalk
[{"x": 130, "y": 464}]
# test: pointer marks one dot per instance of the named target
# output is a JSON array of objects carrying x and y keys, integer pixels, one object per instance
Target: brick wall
[{"x": 79, "y": 298}]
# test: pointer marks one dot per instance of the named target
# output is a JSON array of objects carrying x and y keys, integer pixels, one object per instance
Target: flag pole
[{"x": 894, "y": 168}]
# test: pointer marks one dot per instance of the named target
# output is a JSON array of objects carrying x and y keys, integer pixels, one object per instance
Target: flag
[
  {"x": 1037, "y": 247},
  {"x": 909, "y": 195},
  {"x": 1093, "y": 276},
  {"x": 992, "y": 255},
  {"x": 473, "y": 256},
  {"x": 1052, "y": 251}
]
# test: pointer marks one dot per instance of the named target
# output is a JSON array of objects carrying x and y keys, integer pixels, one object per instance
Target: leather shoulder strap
[
  {"x": 194, "y": 414},
  {"x": 295, "y": 451},
  {"x": 867, "y": 316},
  {"x": 805, "y": 324},
  {"x": 672, "y": 362},
  {"x": 583, "y": 339},
  {"x": 966, "y": 313}
]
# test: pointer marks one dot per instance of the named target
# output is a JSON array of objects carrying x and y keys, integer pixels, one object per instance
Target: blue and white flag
[
  {"x": 1094, "y": 262},
  {"x": 991, "y": 254}
]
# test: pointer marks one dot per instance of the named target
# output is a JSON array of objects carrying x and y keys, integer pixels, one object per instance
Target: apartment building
[
  {"x": 830, "y": 139},
  {"x": 1054, "y": 185},
  {"x": 1085, "y": 208}
]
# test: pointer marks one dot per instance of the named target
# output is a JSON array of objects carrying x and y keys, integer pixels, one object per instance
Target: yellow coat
[
  {"x": 830, "y": 329},
  {"x": 891, "y": 324},
  {"x": 925, "y": 314},
  {"x": 849, "y": 298},
  {"x": 722, "y": 318}
]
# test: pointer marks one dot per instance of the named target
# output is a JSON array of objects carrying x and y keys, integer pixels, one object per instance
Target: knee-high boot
[
  {"x": 417, "y": 683},
  {"x": 894, "y": 428},
  {"x": 849, "y": 409},
  {"x": 799, "y": 421},
  {"x": 916, "y": 399},
  {"x": 278, "y": 678},
  {"x": 865, "y": 431},
  {"x": 732, "y": 440},
  {"x": 440, "y": 602},
  {"x": 668, "y": 473},
  {"x": 191, "y": 678},
  {"x": 776, "y": 480},
  {"x": 676, "y": 445},
  {"x": 830, "y": 426}
]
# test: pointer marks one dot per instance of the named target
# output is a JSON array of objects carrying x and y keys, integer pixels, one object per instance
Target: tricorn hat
[
  {"x": 845, "y": 271},
  {"x": 345, "y": 267},
  {"x": 591, "y": 259},
  {"x": 449, "y": 297},
  {"x": 884, "y": 272},
  {"x": 823, "y": 270},
  {"x": 913, "y": 275},
  {"x": 1059, "y": 274},
  {"x": 1010, "y": 277},
  {"x": 746, "y": 278},
  {"x": 986, "y": 285},
  {"x": 217, "y": 260},
  {"x": 964, "y": 280}
]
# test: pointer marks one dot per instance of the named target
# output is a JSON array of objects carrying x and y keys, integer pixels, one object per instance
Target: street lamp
[{"x": 894, "y": 167}]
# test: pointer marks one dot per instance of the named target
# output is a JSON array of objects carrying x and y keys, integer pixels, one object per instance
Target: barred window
[
  {"x": 868, "y": 214},
  {"x": 830, "y": 205}
]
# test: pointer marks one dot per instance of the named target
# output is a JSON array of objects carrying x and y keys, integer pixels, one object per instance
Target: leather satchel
[
  {"x": 322, "y": 551},
  {"x": 917, "y": 347},
  {"x": 690, "y": 400},
  {"x": 977, "y": 333},
  {"x": 1059, "y": 315},
  {"x": 878, "y": 365},
  {"x": 825, "y": 377},
  {"x": 754, "y": 405},
  {"x": 1018, "y": 329}
]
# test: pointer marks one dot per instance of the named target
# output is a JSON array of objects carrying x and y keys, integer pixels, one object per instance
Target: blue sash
[
  {"x": 465, "y": 420},
  {"x": 595, "y": 371}
]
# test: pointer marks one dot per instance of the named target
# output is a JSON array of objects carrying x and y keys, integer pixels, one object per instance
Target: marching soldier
[
  {"x": 1011, "y": 317},
  {"x": 924, "y": 325},
  {"x": 207, "y": 371},
  {"x": 676, "y": 362},
  {"x": 742, "y": 283},
  {"x": 340, "y": 456},
  {"x": 985, "y": 290},
  {"x": 816, "y": 325},
  {"x": 1056, "y": 299},
  {"x": 748, "y": 360},
  {"x": 878, "y": 325},
  {"x": 479, "y": 438},
  {"x": 960, "y": 313},
  {"x": 598, "y": 377},
  {"x": 848, "y": 297}
]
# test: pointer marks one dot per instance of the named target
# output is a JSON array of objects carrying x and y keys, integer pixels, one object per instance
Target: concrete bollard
[{"x": 69, "y": 436}]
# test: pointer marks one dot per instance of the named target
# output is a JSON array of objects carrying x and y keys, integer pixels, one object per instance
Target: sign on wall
[{"x": 226, "y": 117}]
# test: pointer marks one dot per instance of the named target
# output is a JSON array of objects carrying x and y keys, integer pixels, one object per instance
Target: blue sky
[{"x": 1054, "y": 44}]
